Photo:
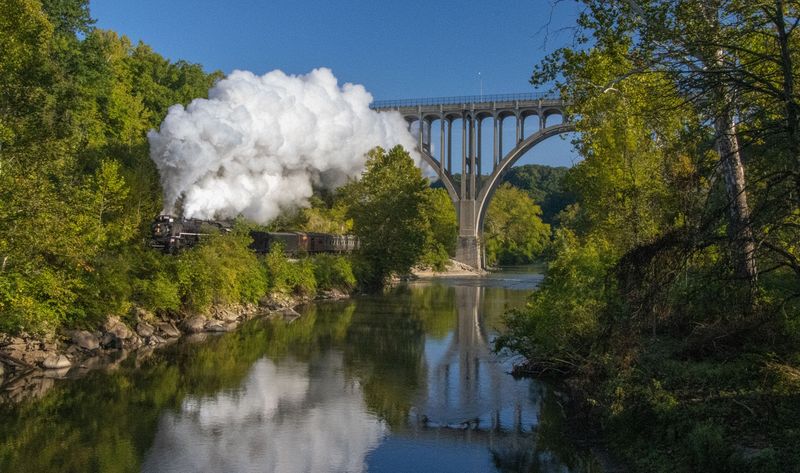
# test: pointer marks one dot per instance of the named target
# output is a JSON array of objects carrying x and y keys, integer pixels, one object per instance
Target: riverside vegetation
[
  {"x": 78, "y": 192},
  {"x": 672, "y": 304}
]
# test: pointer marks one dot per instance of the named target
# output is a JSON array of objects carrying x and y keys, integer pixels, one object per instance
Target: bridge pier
[{"x": 469, "y": 251}]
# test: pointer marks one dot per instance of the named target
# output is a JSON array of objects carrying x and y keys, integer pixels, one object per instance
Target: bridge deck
[{"x": 470, "y": 102}]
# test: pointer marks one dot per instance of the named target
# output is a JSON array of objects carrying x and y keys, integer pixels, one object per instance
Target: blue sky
[{"x": 396, "y": 49}]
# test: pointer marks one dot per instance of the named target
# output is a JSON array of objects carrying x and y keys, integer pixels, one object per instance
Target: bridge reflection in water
[
  {"x": 467, "y": 386},
  {"x": 406, "y": 382}
]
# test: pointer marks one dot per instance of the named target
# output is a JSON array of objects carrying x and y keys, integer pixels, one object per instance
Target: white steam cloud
[{"x": 258, "y": 143}]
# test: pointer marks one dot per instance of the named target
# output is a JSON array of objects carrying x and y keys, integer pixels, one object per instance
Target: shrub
[
  {"x": 561, "y": 318},
  {"x": 221, "y": 269},
  {"x": 333, "y": 272},
  {"x": 289, "y": 277}
]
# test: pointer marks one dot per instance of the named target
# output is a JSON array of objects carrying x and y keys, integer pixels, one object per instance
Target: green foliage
[
  {"x": 77, "y": 187},
  {"x": 558, "y": 326},
  {"x": 514, "y": 231},
  {"x": 326, "y": 217},
  {"x": 644, "y": 305},
  {"x": 220, "y": 270},
  {"x": 333, "y": 272},
  {"x": 545, "y": 185},
  {"x": 440, "y": 214},
  {"x": 289, "y": 277},
  {"x": 387, "y": 206}
]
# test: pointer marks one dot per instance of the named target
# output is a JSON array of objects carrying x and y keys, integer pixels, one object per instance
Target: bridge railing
[{"x": 465, "y": 99}]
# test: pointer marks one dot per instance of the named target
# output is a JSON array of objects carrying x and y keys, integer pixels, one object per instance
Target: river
[{"x": 399, "y": 382}]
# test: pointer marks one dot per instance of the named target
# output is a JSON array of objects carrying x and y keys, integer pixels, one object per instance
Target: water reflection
[
  {"x": 278, "y": 421},
  {"x": 399, "y": 382},
  {"x": 466, "y": 385}
]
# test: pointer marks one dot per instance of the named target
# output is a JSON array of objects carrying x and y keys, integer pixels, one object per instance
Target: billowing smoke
[{"x": 258, "y": 144}]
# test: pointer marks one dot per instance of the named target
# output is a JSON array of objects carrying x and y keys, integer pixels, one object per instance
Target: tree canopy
[
  {"x": 514, "y": 232},
  {"x": 388, "y": 207}
]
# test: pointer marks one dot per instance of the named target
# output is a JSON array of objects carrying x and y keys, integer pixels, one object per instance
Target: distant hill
[{"x": 543, "y": 183}]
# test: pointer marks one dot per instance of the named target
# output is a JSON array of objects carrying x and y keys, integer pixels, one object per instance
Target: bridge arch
[
  {"x": 486, "y": 194},
  {"x": 472, "y": 196}
]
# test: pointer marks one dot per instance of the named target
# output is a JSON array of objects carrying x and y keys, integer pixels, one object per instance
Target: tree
[
  {"x": 441, "y": 216},
  {"x": 545, "y": 185},
  {"x": 514, "y": 231},
  {"x": 387, "y": 207}
]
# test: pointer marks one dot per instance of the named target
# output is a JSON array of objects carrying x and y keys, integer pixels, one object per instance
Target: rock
[
  {"x": 144, "y": 329},
  {"x": 74, "y": 351},
  {"x": 227, "y": 315},
  {"x": 194, "y": 324},
  {"x": 142, "y": 315},
  {"x": 288, "y": 312},
  {"x": 132, "y": 343},
  {"x": 110, "y": 341},
  {"x": 277, "y": 302},
  {"x": 168, "y": 330},
  {"x": 332, "y": 294},
  {"x": 56, "y": 362},
  {"x": 216, "y": 326},
  {"x": 57, "y": 373},
  {"x": 116, "y": 327},
  {"x": 14, "y": 344},
  {"x": 85, "y": 340},
  {"x": 155, "y": 340}
]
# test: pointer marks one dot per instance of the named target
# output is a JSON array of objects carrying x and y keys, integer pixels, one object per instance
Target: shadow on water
[{"x": 403, "y": 381}]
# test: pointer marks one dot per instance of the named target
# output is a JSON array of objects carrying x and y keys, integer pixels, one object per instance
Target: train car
[
  {"x": 293, "y": 242},
  {"x": 170, "y": 233}
]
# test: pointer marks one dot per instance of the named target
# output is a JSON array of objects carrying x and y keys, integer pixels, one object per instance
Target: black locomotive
[{"x": 170, "y": 234}]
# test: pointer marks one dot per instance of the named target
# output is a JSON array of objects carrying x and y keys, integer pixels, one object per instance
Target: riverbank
[
  {"x": 29, "y": 364},
  {"x": 453, "y": 269},
  {"x": 666, "y": 411}
]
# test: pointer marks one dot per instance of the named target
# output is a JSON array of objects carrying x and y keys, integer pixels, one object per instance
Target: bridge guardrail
[{"x": 385, "y": 104}]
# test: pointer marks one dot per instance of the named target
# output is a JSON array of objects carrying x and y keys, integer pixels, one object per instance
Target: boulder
[
  {"x": 142, "y": 315},
  {"x": 155, "y": 340},
  {"x": 194, "y": 324},
  {"x": 56, "y": 362},
  {"x": 111, "y": 341},
  {"x": 288, "y": 313},
  {"x": 116, "y": 327},
  {"x": 227, "y": 315},
  {"x": 85, "y": 340},
  {"x": 216, "y": 326},
  {"x": 144, "y": 329},
  {"x": 168, "y": 330}
]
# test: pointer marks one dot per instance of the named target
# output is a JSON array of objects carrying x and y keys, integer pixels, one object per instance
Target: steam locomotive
[{"x": 170, "y": 233}]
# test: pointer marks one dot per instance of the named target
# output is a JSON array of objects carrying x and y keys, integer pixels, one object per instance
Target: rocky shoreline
[{"x": 29, "y": 365}]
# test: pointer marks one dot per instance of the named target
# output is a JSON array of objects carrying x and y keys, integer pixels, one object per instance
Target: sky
[{"x": 396, "y": 49}]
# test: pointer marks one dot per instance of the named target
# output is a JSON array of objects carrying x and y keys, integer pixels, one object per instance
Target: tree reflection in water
[{"x": 403, "y": 381}]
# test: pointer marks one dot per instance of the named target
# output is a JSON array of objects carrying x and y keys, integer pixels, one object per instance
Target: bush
[
  {"x": 562, "y": 317},
  {"x": 333, "y": 272},
  {"x": 220, "y": 270},
  {"x": 158, "y": 293},
  {"x": 289, "y": 277}
]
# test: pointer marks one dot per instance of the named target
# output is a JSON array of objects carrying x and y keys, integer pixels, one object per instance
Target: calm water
[{"x": 402, "y": 382}]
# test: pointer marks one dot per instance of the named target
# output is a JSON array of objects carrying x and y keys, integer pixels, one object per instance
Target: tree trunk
[
  {"x": 740, "y": 231},
  {"x": 792, "y": 108}
]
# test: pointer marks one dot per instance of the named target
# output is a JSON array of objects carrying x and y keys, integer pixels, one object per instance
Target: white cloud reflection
[{"x": 280, "y": 420}]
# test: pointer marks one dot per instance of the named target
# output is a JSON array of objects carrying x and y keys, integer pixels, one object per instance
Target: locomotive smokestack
[{"x": 258, "y": 143}]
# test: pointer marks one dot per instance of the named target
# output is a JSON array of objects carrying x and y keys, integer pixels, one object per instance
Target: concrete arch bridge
[{"x": 480, "y": 175}]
